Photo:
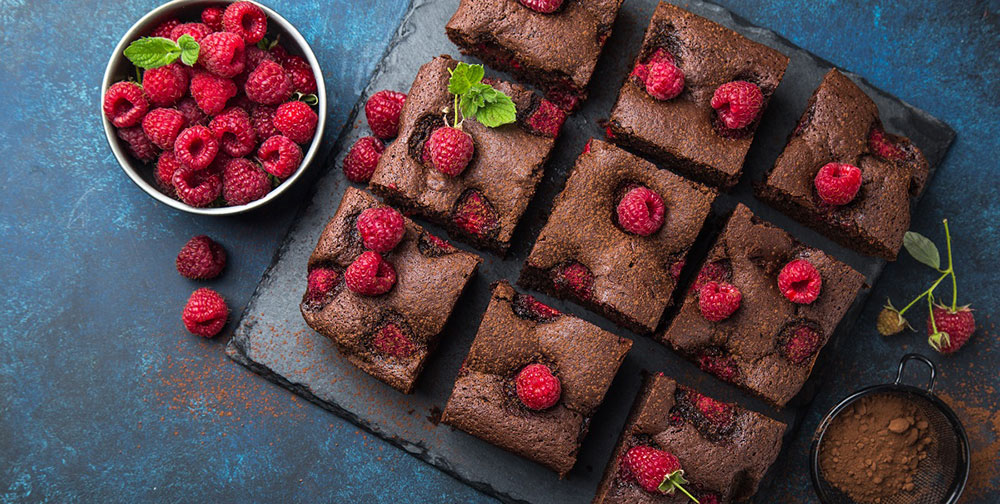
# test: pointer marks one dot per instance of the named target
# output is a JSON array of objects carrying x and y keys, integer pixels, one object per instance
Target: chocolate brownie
[
  {"x": 724, "y": 450},
  {"x": 769, "y": 344},
  {"x": 483, "y": 204},
  {"x": 685, "y": 132},
  {"x": 585, "y": 254},
  {"x": 517, "y": 331},
  {"x": 388, "y": 336},
  {"x": 841, "y": 125},
  {"x": 555, "y": 51}
]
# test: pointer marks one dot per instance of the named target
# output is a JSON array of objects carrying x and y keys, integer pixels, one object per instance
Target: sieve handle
[{"x": 907, "y": 358}]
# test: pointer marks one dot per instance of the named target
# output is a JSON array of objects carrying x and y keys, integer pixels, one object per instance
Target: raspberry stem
[
  {"x": 950, "y": 272},
  {"x": 951, "y": 269}
]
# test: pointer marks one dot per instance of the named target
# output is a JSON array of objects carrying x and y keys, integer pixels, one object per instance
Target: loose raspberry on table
[
  {"x": 392, "y": 341},
  {"x": 641, "y": 211},
  {"x": 235, "y": 133},
  {"x": 954, "y": 328},
  {"x": 162, "y": 126},
  {"x": 370, "y": 275},
  {"x": 196, "y": 147},
  {"x": 527, "y": 307},
  {"x": 201, "y": 258},
  {"x": 244, "y": 182},
  {"x": 193, "y": 115},
  {"x": 382, "y": 111},
  {"x": 269, "y": 84},
  {"x": 125, "y": 104},
  {"x": 303, "y": 78},
  {"x": 297, "y": 121},
  {"x": 280, "y": 156},
  {"x": 320, "y": 286},
  {"x": 475, "y": 215},
  {"x": 163, "y": 29},
  {"x": 223, "y": 54},
  {"x": 381, "y": 228},
  {"x": 165, "y": 85},
  {"x": 665, "y": 81},
  {"x": 547, "y": 119},
  {"x": 537, "y": 388},
  {"x": 212, "y": 17},
  {"x": 654, "y": 470},
  {"x": 205, "y": 313},
  {"x": 882, "y": 145},
  {"x": 800, "y": 282},
  {"x": 198, "y": 188},
  {"x": 718, "y": 300},
  {"x": 362, "y": 159},
  {"x": 197, "y": 31},
  {"x": 738, "y": 103},
  {"x": 803, "y": 344},
  {"x": 211, "y": 92},
  {"x": 262, "y": 118},
  {"x": 838, "y": 183},
  {"x": 138, "y": 144},
  {"x": 577, "y": 279},
  {"x": 448, "y": 150},
  {"x": 166, "y": 166},
  {"x": 543, "y": 6},
  {"x": 247, "y": 20}
]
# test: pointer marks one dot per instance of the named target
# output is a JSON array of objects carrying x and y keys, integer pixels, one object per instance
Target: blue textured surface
[{"x": 103, "y": 397}]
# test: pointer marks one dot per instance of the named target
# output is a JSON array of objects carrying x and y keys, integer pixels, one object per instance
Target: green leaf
[
  {"x": 498, "y": 112},
  {"x": 922, "y": 249},
  {"x": 189, "y": 49},
  {"x": 463, "y": 77},
  {"x": 152, "y": 52}
]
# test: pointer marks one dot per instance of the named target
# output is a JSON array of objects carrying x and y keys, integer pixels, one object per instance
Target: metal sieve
[{"x": 941, "y": 476}]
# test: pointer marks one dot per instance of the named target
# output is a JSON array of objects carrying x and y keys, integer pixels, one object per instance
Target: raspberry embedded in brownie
[
  {"x": 616, "y": 235},
  {"x": 841, "y": 131},
  {"x": 556, "y": 51},
  {"x": 705, "y": 130},
  {"x": 388, "y": 335},
  {"x": 533, "y": 378},
  {"x": 483, "y": 203},
  {"x": 792, "y": 298},
  {"x": 724, "y": 449}
]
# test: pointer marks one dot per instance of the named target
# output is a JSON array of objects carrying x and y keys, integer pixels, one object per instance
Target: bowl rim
[{"x": 125, "y": 160}]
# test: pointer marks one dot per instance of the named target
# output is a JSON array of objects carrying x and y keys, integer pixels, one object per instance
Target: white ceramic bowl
[{"x": 120, "y": 68}]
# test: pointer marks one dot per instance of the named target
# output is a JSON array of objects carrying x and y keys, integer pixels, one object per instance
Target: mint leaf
[
  {"x": 464, "y": 77},
  {"x": 497, "y": 112},
  {"x": 189, "y": 49},
  {"x": 152, "y": 52},
  {"x": 922, "y": 249}
]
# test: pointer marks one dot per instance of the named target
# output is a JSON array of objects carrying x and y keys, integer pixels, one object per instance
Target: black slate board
[{"x": 273, "y": 340}]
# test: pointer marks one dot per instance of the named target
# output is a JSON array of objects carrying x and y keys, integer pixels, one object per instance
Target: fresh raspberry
[
  {"x": 125, "y": 104},
  {"x": 166, "y": 166},
  {"x": 162, "y": 126},
  {"x": 654, "y": 470},
  {"x": 537, "y": 387},
  {"x": 738, "y": 103},
  {"x": 800, "y": 282},
  {"x": 547, "y": 119},
  {"x": 320, "y": 286},
  {"x": 665, "y": 80},
  {"x": 362, "y": 159},
  {"x": 297, "y": 121},
  {"x": 710, "y": 272},
  {"x": 244, "y": 182},
  {"x": 198, "y": 188},
  {"x": 269, "y": 84},
  {"x": 718, "y": 413},
  {"x": 475, "y": 215},
  {"x": 280, "y": 156},
  {"x": 382, "y": 111},
  {"x": 641, "y": 70},
  {"x": 138, "y": 144},
  {"x": 197, "y": 31},
  {"x": 193, "y": 115},
  {"x": 211, "y": 92},
  {"x": 718, "y": 300},
  {"x": 882, "y": 145},
  {"x": 432, "y": 246},
  {"x": 255, "y": 56},
  {"x": 262, "y": 118},
  {"x": 303, "y": 78},
  {"x": 392, "y": 341},
  {"x": 543, "y": 6},
  {"x": 205, "y": 313},
  {"x": 722, "y": 366},
  {"x": 641, "y": 211},
  {"x": 527, "y": 307},
  {"x": 196, "y": 147},
  {"x": 370, "y": 275},
  {"x": 223, "y": 54},
  {"x": 165, "y": 85},
  {"x": 235, "y": 133},
  {"x": 280, "y": 54},
  {"x": 201, "y": 258},
  {"x": 803, "y": 344},
  {"x": 838, "y": 183},
  {"x": 576, "y": 278},
  {"x": 448, "y": 150},
  {"x": 163, "y": 29},
  {"x": 381, "y": 228},
  {"x": 212, "y": 17},
  {"x": 954, "y": 328},
  {"x": 246, "y": 20}
]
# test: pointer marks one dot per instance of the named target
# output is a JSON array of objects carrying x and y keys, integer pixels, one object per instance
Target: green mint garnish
[
  {"x": 473, "y": 98},
  {"x": 189, "y": 50},
  {"x": 154, "y": 52}
]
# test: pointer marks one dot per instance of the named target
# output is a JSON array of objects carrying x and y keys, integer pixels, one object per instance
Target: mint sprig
[
  {"x": 473, "y": 98},
  {"x": 155, "y": 52}
]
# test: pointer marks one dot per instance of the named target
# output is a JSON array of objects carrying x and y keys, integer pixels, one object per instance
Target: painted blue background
[{"x": 104, "y": 397}]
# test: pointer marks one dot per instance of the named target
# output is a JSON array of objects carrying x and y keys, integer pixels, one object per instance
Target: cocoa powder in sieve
[{"x": 873, "y": 449}]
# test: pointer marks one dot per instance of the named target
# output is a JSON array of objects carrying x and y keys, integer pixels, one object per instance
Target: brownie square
[
  {"x": 585, "y": 255},
  {"x": 518, "y": 331},
  {"x": 769, "y": 345},
  {"x": 482, "y": 205},
  {"x": 430, "y": 277},
  {"x": 723, "y": 449},
  {"x": 841, "y": 125},
  {"x": 685, "y": 133},
  {"x": 556, "y": 52}
]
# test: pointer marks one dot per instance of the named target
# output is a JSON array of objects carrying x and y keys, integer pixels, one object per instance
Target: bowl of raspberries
[{"x": 213, "y": 107}]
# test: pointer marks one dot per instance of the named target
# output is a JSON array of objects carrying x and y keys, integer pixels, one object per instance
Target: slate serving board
[{"x": 273, "y": 340}]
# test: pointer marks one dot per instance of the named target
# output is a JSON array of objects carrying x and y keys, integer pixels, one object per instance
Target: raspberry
[
  {"x": 280, "y": 156},
  {"x": 165, "y": 85},
  {"x": 838, "y": 183},
  {"x": 235, "y": 133},
  {"x": 547, "y": 119},
  {"x": 800, "y": 282},
  {"x": 201, "y": 258},
  {"x": 954, "y": 328},
  {"x": 303, "y": 78},
  {"x": 125, "y": 104},
  {"x": 205, "y": 313},
  {"x": 882, "y": 145},
  {"x": 381, "y": 228},
  {"x": 246, "y": 20},
  {"x": 197, "y": 31},
  {"x": 719, "y": 365},
  {"x": 223, "y": 54},
  {"x": 211, "y": 92},
  {"x": 543, "y": 6},
  {"x": 244, "y": 182},
  {"x": 641, "y": 70},
  {"x": 164, "y": 174},
  {"x": 432, "y": 246},
  {"x": 527, "y": 307},
  {"x": 537, "y": 387},
  {"x": 448, "y": 150},
  {"x": 390, "y": 340},
  {"x": 280, "y": 54},
  {"x": 665, "y": 80},
  {"x": 576, "y": 278},
  {"x": 198, "y": 188},
  {"x": 212, "y": 17},
  {"x": 714, "y": 271},
  {"x": 162, "y": 126},
  {"x": 269, "y": 84},
  {"x": 163, "y": 29},
  {"x": 802, "y": 345},
  {"x": 718, "y": 300},
  {"x": 138, "y": 143},
  {"x": 382, "y": 111},
  {"x": 320, "y": 286},
  {"x": 196, "y": 147},
  {"x": 362, "y": 159},
  {"x": 738, "y": 103},
  {"x": 718, "y": 413},
  {"x": 255, "y": 56},
  {"x": 641, "y": 211},
  {"x": 370, "y": 275},
  {"x": 192, "y": 114},
  {"x": 654, "y": 470},
  {"x": 475, "y": 215},
  {"x": 262, "y": 118},
  {"x": 296, "y": 120}
]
